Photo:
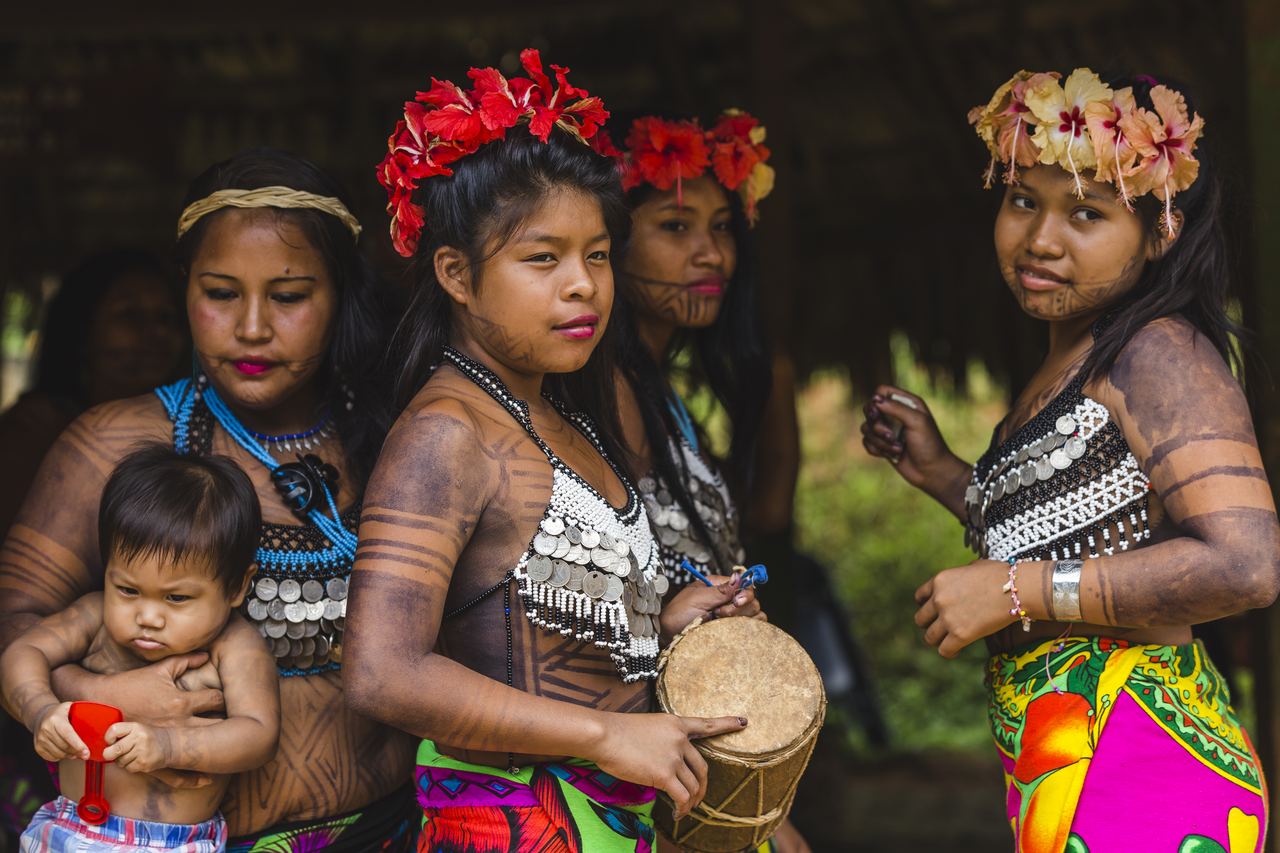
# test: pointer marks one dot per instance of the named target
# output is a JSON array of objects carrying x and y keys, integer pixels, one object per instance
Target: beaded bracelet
[{"x": 1011, "y": 587}]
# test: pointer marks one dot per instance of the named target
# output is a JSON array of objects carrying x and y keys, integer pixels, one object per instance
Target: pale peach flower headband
[{"x": 1083, "y": 124}]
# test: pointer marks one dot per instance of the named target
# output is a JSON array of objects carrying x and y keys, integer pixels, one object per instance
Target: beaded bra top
[
  {"x": 592, "y": 571},
  {"x": 298, "y": 600},
  {"x": 676, "y": 536},
  {"x": 1056, "y": 487}
]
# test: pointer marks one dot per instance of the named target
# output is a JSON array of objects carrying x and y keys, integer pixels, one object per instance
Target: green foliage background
[{"x": 881, "y": 539}]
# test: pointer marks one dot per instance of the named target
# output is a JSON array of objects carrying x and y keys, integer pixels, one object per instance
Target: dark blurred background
[{"x": 875, "y": 247}]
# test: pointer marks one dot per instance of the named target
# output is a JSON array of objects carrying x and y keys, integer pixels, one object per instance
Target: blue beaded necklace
[
  {"x": 179, "y": 400},
  {"x": 683, "y": 420}
]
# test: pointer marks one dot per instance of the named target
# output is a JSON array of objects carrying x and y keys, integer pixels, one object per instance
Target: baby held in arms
[{"x": 178, "y": 535}]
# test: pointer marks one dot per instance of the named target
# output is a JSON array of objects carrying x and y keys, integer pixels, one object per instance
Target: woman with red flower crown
[
  {"x": 507, "y": 602},
  {"x": 1121, "y": 501},
  {"x": 689, "y": 288}
]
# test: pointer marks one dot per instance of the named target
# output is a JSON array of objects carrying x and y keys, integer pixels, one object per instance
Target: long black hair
[
  {"x": 69, "y": 319},
  {"x": 476, "y": 210},
  {"x": 360, "y": 326},
  {"x": 730, "y": 357},
  {"x": 1194, "y": 278}
]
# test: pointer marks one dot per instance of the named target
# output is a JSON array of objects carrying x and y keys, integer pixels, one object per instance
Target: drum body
[{"x": 744, "y": 668}]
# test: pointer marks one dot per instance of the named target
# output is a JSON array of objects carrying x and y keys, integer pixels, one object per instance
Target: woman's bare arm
[
  {"x": 25, "y": 666},
  {"x": 246, "y": 739}
]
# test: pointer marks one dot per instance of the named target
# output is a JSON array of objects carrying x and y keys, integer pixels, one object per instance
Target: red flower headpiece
[
  {"x": 445, "y": 124},
  {"x": 665, "y": 152}
]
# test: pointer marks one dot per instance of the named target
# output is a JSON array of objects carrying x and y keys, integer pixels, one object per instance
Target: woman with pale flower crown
[{"x": 1123, "y": 498}]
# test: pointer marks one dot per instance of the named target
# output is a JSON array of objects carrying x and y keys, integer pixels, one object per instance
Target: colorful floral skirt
[
  {"x": 387, "y": 825},
  {"x": 569, "y": 806},
  {"x": 1111, "y": 747}
]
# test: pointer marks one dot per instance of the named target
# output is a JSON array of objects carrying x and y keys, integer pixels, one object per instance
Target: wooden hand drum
[{"x": 748, "y": 668}]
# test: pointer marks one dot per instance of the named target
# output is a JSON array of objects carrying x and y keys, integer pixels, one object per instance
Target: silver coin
[
  {"x": 607, "y": 541},
  {"x": 1012, "y": 483},
  {"x": 1066, "y": 425},
  {"x": 294, "y": 630},
  {"x": 574, "y": 535},
  {"x": 308, "y": 646},
  {"x": 544, "y": 544},
  {"x": 315, "y": 611},
  {"x": 1059, "y": 459},
  {"x": 997, "y": 491},
  {"x": 1059, "y": 439},
  {"x": 659, "y": 517},
  {"x": 636, "y": 623},
  {"x": 562, "y": 548},
  {"x": 256, "y": 608},
  {"x": 590, "y": 538},
  {"x": 266, "y": 588},
  {"x": 275, "y": 609},
  {"x": 280, "y": 646},
  {"x": 661, "y": 585},
  {"x": 629, "y": 597},
  {"x": 336, "y": 588},
  {"x": 593, "y": 584},
  {"x": 621, "y": 568},
  {"x": 539, "y": 569},
  {"x": 1023, "y": 455},
  {"x": 1075, "y": 447},
  {"x": 342, "y": 606},
  {"x": 312, "y": 590},
  {"x": 603, "y": 557},
  {"x": 612, "y": 588},
  {"x": 304, "y": 662},
  {"x": 972, "y": 495},
  {"x": 295, "y": 611},
  {"x": 295, "y": 647},
  {"x": 332, "y": 609},
  {"x": 338, "y": 625},
  {"x": 621, "y": 546},
  {"x": 311, "y": 629},
  {"x": 290, "y": 590},
  {"x": 664, "y": 497},
  {"x": 667, "y": 536},
  {"x": 322, "y": 646},
  {"x": 559, "y": 573},
  {"x": 678, "y": 521},
  {"x": 1036, "y": 450},
  {"x": 1044, "y": 469},
  {"x": 694, "y": 486},
  {"x": 1027, "y": 474},
  {"x": 552, "y": 526},
  {"x": 647, "y": 485},
  {"x": 276, "y": 628},
  {"x": 574, "y": 583},
  {"x": 579, "y": 555}
]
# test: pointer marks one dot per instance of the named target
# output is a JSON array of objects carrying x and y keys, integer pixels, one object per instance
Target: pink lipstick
[
  {"x": 251, "y": 367},
  {"x": 582, "y": 327},
  {"x": 709, "y": 286}
]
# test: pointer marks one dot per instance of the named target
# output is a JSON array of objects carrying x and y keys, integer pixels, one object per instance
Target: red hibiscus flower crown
[
  {"x": 666, "y": 152},
  {"x": 445, "y": 123},
  {"x": 1081, "y": 123}
]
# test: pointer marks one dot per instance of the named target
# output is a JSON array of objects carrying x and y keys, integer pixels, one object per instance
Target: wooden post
[{"x": 1263, "y": 47}]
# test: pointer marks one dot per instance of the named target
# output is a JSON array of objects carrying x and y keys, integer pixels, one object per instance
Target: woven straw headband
[{"x": 266, "y": 197}]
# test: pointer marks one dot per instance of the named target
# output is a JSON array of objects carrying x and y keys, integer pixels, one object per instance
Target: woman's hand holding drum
[
  {"x": 657, "y": 750},
  {"x": 698, "y": 601}
]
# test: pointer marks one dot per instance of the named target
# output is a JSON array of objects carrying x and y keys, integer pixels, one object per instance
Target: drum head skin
[{"x": 741, "y": 667}]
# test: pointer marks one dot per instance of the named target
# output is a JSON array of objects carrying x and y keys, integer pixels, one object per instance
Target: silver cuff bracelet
[{"x": 1066, "y": 591}]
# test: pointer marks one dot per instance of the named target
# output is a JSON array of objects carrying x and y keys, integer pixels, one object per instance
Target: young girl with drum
[
  {"x": 286, "y": 327},
  {"x": 1123, "y": 498},
  {"x": 507, "y": 604},
  {"x": 689, "y": 287}
]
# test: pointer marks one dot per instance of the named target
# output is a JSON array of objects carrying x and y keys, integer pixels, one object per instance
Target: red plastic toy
[{"x": 91, "y": 721}]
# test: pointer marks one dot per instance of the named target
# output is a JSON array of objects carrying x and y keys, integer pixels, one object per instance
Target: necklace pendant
[{"x": 302, "y": 484}]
